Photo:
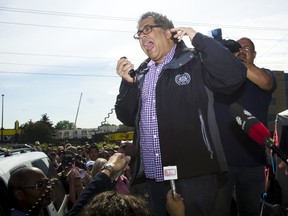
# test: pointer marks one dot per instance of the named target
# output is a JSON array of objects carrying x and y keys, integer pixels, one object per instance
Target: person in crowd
[
  {"x": 116, "y": 148},
  {"x": 110, "y": 203},
  {"x": 67, "y": 161},
  {"x": 169, "y": 101},
  {"x": 102, "y": 181},
  {"x": 30, "y": 191},
  {"x": 93, "y": 152},
  {"x": 111, "y": 151},
  {"x": 73, "y": 177},
  {"x": 84, "y": 171},
  {"x": 38, "y": 146},
  {"x": 81, "y": 152},
  {"x": 122, "y": 184},
  {"x": 54, "y": 158},
  {"x": 104, "y": 146},
  {"x": 89, "y": 165},
  {"x": 104, "y": 154},
  {"x": 75, "y": 185},
  {"x": 72, "y": 149},
  {"x": 246, "y": 159},
  {"x": 80, "y": 161},
  {"x": 67, "y": 145},
  {"x": 49, "y": 149},
  {"x": 98, "y": 165}
]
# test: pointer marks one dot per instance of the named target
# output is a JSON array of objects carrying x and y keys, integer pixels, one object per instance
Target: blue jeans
[
  {"x": 248, "y": 183},
  {"x": 199, "y": 195}
]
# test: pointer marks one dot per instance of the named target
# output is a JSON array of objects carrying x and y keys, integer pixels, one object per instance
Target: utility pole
[
  {"x": 75, "y": 127},
  {"x": 2, "y": 128}
]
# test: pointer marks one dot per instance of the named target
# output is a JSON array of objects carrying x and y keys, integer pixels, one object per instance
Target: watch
[{"x": 109, "y": 168}]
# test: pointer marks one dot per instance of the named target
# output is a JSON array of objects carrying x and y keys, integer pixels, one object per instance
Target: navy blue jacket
[
  {"x": 239, "y": 148},
  {"x": 188, "y": 130}
]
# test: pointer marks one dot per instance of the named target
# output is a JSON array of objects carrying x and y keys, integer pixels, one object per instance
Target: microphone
[
  {"x": 132, "y": 72},
  {"x": 130, "y": 150},
  {"x": 255, "y": 129}
]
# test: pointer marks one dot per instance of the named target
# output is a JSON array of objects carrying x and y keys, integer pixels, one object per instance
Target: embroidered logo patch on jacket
[{"x": 183, "y": 79}]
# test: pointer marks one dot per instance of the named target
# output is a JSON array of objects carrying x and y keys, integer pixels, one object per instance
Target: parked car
[{"x": 11, "y": 160}]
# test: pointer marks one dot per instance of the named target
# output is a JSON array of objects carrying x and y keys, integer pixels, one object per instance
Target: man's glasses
[
  {"x": 46, "y": 183},
  {"x": 146, "y": 30},
  {"x": 246, "y": 48}
]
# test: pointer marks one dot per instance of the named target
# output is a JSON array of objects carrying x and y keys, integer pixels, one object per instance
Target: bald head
[
  {"x": 248, "y": 41},
  {"x": 29, "y": 189},
  {"x": 24, "y": 175}
]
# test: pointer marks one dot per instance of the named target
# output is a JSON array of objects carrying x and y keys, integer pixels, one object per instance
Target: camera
[{"x": 232, "y": 45}]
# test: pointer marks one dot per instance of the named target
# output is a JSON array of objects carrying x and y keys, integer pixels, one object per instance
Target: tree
[
  {"x": 45, "y": 119},
  {"x": 41, "y": 131},
  {"x": 61, "y": 125}
]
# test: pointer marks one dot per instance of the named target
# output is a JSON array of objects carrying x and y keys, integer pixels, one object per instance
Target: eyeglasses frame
[
  {"x": 47, "y": 183},
  {"x": 149, "y": 27}
]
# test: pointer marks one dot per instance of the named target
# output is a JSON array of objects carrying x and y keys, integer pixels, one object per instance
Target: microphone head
[
  {"x": 243, "y": 117},
  {"x": 249, "y": 123},
  {"x": 259, "y": 133},
  {"x": 130, "y": 149}
]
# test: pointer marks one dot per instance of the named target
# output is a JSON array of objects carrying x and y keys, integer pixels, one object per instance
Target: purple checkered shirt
[{"x": 149, "y": 138}]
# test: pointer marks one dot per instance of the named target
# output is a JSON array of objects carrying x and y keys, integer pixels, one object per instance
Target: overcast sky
[{"x": 52, "y": 51}]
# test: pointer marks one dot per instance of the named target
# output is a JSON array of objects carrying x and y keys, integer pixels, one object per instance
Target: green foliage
[
  {"x": 45, "y": 119},
  {"x": 41, "y": 131},
  {"x": 61, "y": 125}
]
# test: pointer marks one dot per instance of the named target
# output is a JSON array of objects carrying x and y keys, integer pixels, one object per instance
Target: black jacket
[{"x": 188, "y": 130}]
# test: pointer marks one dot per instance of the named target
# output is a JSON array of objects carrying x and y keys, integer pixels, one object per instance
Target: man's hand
[
  {"x": 124, "y": 66},
  {"x": 118, "y": 161},
  {"x": 183, "y": 31},
  {"x": 174, "y": 204},
  {"x": 283, "y": 165}
]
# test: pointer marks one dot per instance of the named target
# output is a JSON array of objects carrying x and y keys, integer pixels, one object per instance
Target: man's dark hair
[{"x": 159, "y": 19}]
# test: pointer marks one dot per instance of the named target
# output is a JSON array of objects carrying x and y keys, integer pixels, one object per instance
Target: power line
[
  {"x": 63, "y": 27},
  {"x": 277, "y": 42},
  {"x": 78, "y": 15},
  {"x": 43, "y": 65},
  {"x": 58, "y": 74},
  {"x": 93, "y": 16},
  {"x": 56, "y": 13},
  {"x": 54, "y": 55}
]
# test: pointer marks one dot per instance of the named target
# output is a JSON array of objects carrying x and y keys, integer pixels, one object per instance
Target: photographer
[{"x": 246, "y": 159}]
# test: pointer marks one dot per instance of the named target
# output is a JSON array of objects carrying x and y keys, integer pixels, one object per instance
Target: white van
[{"x": 11, "y": 160}]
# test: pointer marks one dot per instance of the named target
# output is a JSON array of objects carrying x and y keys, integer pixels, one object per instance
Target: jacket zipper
[{"x": 204, "y": 134}]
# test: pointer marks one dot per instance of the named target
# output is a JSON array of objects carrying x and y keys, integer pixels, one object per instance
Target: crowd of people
[
  {"x": 87, "y": 177},
  {"x": 177, "y": 101}
]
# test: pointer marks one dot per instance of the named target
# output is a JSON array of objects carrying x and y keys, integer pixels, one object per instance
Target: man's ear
[
  {"x": 19, "y": 194},
  {"x": 254, "y": 54},
  {"x": 170, "y": 34}
]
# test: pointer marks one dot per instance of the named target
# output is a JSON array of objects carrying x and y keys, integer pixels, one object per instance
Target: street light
[{"x": 2, "y": 129}]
